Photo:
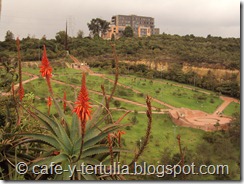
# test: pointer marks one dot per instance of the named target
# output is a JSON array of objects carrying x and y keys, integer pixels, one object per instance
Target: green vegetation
[
  {"x": 231, "y": 109},
  {"x": 196, "y": 50},
  {"x": 175, "y": 51},
  {"x": 163, "y": 135},
  {"x": 177, "y": 95},
  {"x": 59, "y": 139}
]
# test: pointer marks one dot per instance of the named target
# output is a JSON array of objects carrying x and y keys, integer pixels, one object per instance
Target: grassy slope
[
  {"x": 163, "y": 136},
  {"x": 232, "y": 108},
  {"x": 173, "y": 95}
]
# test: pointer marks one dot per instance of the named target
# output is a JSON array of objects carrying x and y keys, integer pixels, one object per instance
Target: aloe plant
[
  {"x": 64, "y": 143},
  {"x": 14, "y": 150}
]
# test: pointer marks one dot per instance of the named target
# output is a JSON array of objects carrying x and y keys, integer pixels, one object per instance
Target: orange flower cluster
[
  {"x": 82, "y": 105},
  {"x": 46, "y": 69}
]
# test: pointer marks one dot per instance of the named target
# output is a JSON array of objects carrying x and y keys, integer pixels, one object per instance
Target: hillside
[
  {"x": 214, "y": 52},
  {"x": 212, "y": 63}
]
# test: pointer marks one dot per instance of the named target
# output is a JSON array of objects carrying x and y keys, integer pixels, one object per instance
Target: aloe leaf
[
  {"x": 49, "y": 160},
  {"x": 99, "y": 137},
  {"x": 95, "y": 117},
  {"x": 64, "y": 138},
  {"x": 57, "y": 129},
  {"x": 66, "y": 175},
  {"x": 94, "y": 151},
  {"x": 75, "y": 129},
  {"x": 45, "y": 138},
  {"x": 94, "y": 131},
  {"x": 49, "y": 123},
  {"x": 89, "y": 176},
  {"x": 91, "y": 161},
  {"x": 77, "y": 146},
  {"x": 60, "y": 112}
]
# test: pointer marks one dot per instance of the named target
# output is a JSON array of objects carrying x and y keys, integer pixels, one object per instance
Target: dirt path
[
  {"x": 227, "y": 101},
  {"x": 84, "y": 68},
  {"x": 17, "y": 85}
]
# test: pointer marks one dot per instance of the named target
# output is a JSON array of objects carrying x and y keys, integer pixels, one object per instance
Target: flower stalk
[
  {"x": 49, "y": 103},
  {"x": 83, "y": 110},
  {"x": 21, "y": 89},
  {"x": 64, "y": 101},
  {"x": 148, "y": 132},
  {"x": 46, "y": 69}
]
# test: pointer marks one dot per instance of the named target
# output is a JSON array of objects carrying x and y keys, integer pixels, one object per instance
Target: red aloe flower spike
[
  {"x": 49, "y": 103},
  {"x": 82, "y": 110},
  {"x": 46, "y": 69},
  {"x": 64, "y": 101},
  {"x": 82, "y": 105},
  {"x": 21, "y": 89}
]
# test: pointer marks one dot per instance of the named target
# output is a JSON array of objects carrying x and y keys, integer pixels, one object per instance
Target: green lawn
[
  {"x": 32, "y": 70},
  {"x": 95, "y": 82},
  {"x": 163, "y": 133},
  {"x": 174, "y": 95},
  {"x": 231, "y": 109}
]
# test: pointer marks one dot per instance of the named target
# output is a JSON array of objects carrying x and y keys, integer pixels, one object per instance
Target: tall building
[{"x": 141, "y": 26}]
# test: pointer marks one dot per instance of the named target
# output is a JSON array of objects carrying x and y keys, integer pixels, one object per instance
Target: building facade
[{"x": 141, "y": 26}]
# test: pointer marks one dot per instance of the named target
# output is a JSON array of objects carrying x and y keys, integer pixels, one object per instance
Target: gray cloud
[{"x": 47, "y": 17}]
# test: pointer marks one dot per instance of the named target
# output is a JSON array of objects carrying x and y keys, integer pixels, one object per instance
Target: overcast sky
[{"x": 47, "y": 17}]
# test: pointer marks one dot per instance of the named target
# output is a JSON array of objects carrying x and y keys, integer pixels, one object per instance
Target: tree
[
  {"x": 60, "y": 37},
  {"x": 9, "y": 36},
  {"x": 128, "y": 32},
  {"x": 80, "y": 34},
  {"x": 98, "y": 26}
]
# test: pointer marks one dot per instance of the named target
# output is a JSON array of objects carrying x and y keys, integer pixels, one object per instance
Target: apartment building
[{"x": 141, "y": 26}]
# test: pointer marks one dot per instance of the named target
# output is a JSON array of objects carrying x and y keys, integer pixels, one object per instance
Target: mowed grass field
[{"x": 177, "y": 96}]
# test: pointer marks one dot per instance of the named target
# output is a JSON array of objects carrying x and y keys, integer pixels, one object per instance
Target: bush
[
  {"x": 211, "y": 100},
  {"x": 117, "y": 103},
  {"x": 140, "y": 94},
  {"x": 127, "y": 128}
]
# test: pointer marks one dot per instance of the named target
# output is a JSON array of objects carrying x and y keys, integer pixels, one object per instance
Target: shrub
[{"x": 117, "y": 103}]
